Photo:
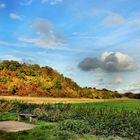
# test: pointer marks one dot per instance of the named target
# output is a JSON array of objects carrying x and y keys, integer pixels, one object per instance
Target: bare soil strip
[
  {"x": 48, "y": 100},
  {"x": 14, "y": 126}
]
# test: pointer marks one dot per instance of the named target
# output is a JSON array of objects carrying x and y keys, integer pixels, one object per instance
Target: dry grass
[{"x": 46, "y": 100}]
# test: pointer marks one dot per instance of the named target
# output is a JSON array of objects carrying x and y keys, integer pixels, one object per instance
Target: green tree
[{"x": 58, "y": 84}]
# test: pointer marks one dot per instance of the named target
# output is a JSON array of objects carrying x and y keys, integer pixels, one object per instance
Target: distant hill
[{"x": 23, "y": 79}]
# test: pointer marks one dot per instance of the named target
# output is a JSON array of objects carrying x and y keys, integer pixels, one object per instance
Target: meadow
[{"x": 85, "y": 121}]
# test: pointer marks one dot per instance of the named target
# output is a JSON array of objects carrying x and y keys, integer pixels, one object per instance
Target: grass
[
  {"x": 115, "y": 120},
  {"x": 7, "y": 116},
  {"x": 123, "y": 104}
]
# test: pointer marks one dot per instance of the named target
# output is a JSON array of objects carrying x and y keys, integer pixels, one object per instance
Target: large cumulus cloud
[{"x": 110, "y": 62}]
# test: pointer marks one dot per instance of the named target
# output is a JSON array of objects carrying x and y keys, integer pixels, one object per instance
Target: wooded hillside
[{"x": 33, "y": 80}]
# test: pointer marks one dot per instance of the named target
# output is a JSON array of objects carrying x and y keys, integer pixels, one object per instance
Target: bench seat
[{"x": 32, "y": 117}]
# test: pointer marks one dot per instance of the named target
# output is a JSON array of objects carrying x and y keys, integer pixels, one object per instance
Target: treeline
[
  {"x": 132, "y": 95},
  {"x": 24, "y": 79}
]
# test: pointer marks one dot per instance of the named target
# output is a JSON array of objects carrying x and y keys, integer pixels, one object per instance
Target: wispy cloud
[
  {"x": 14, "y": 16},
  {"x": 109, "y": 18},
  {"x": 9, "y": 44},
  {"x": 10, "y": 57},
  {"x": 113, "y": 20},
  {"x": 136, "y": 22},
  {"x": 46, "y": 35},
  {"x": 83, "y": 35},
  {"x": 26, "y": 2},
  {"x": 52, "y": 2},
  {"x": 97, "y": 12}
]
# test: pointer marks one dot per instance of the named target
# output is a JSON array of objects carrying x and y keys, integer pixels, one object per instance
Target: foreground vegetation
[{"x": 89, "y": 121}]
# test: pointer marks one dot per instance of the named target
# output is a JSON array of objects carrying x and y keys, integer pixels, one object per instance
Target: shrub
[
  {"x": 40, "y": 112},
  {"x": 78, "y": 126},
  {"x": 54, "y": 115}
]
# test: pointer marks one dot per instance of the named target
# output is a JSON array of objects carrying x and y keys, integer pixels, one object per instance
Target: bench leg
[
  {"x": 33, "y": 120},
  {"x": 19, "y": 118},
  {"x": 30, "y": 119}
]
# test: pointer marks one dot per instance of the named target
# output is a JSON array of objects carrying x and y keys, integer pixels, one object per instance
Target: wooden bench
[{"x": 32, "y": 117}]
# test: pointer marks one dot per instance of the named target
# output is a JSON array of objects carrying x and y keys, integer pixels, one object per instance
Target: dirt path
[
  {"x": 14, "y": 126},
  {"x": 46, "y": 100}
]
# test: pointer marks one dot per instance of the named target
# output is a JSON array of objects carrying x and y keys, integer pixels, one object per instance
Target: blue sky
[{"x": 94, "y": 42}]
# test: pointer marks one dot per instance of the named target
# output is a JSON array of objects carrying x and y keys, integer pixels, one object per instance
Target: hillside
[{"x": 33, "y": 80}]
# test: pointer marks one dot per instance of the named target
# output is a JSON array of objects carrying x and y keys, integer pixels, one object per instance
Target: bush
[
  {"x": 54, "y": 115},
  {"x": 78, "y": 126},
  {"x": 116, "y": 122}
]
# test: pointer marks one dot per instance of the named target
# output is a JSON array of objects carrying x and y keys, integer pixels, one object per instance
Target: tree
[
  {"x": 58, "y": 84},
  {"x": 12, "y": 88}
]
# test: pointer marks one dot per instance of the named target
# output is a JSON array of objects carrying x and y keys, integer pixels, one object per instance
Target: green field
[
  {"x": 124, "y": 104},
  {"x": 86, "y": 121}
]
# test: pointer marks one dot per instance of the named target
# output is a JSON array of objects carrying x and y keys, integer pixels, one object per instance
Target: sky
[{"x": 94, "y": 42}]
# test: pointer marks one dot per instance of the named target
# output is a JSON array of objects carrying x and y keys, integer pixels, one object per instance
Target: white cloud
[
  {"x": 2, "y": 5},
  {"x": 117, "y": 61},
  {"x": 52, "y": 2},
  {"x": 10, "y": 57},
  {"x": 136, "y": 22},
  {"x": 5, "y": 43},
  {"x": 110, "y": 18},
  {"x": 47, "y": 36},
  {"x": 118, "y": 80},
  {"x": 134, "y": 87},
  {"x": 113, "y": 20},
  {"x": 14, "y": 16},
  {"x": 28, "y": 60}
]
